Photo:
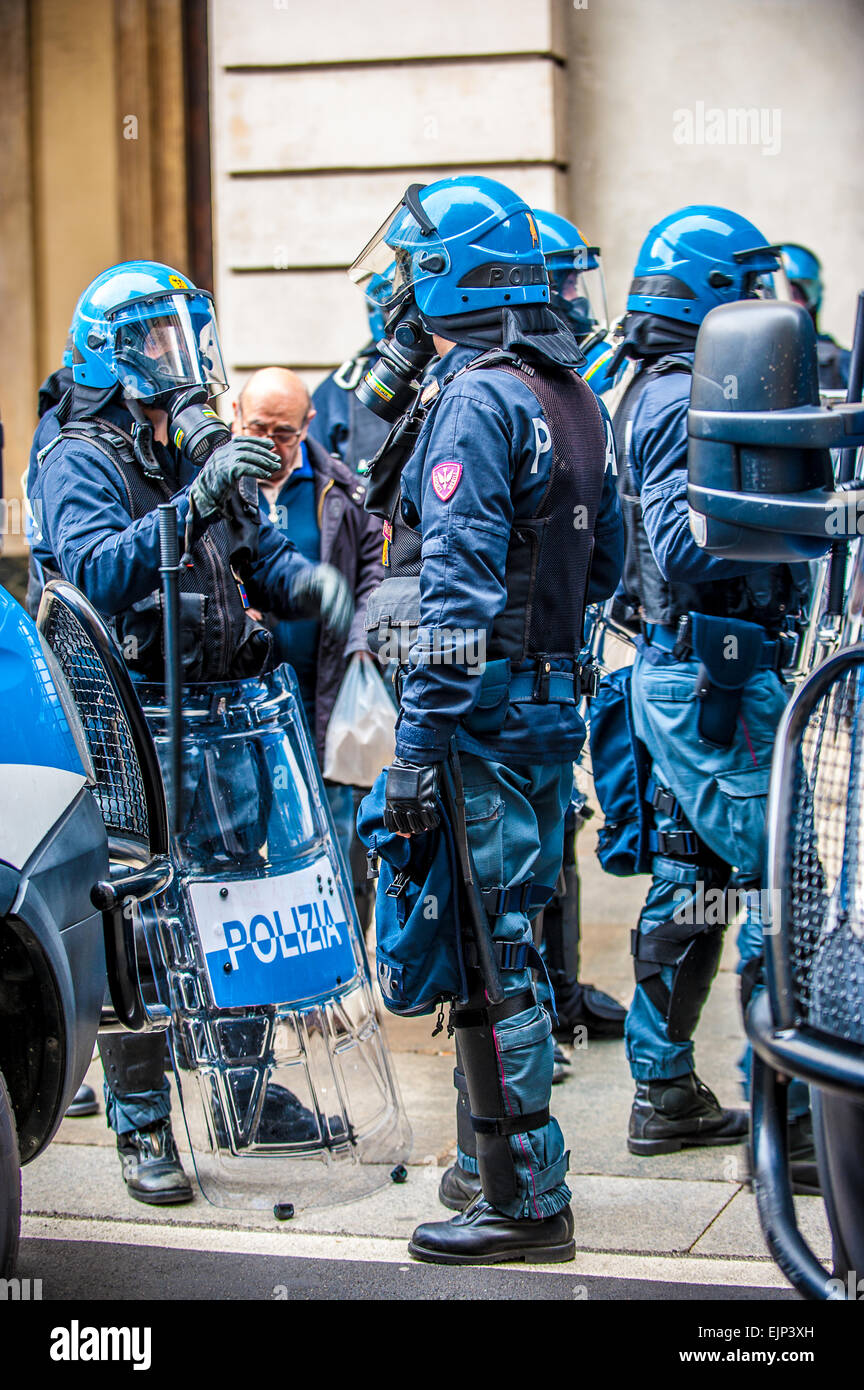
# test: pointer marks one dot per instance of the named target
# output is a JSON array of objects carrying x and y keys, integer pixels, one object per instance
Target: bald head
[
  {"x": 274, "y": 389},
  {"x": 274, "y": 404}
]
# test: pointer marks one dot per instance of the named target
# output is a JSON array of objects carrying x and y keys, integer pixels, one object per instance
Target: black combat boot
[
  {"x": 151, "y": 1166},
  {"x": 681, "y": 1113},
  {"x": 458, "y": 1188},
  {"x": 581, "y": 1005},
  {"x": 480, "y": 1235},
  {"x": 83, "y": 1103}
]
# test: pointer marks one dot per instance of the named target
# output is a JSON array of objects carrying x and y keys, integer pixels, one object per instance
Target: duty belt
[
  {"x": 777, "y": 653},
  {"x": 540, "y": 685},
  {"x": 543, "y": 685}
]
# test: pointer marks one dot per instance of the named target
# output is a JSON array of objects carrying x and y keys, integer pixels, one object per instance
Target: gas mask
[{"x": 389, "y": 386}]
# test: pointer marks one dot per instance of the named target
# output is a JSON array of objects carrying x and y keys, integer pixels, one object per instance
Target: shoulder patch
[{"x": 446, "y": 478}]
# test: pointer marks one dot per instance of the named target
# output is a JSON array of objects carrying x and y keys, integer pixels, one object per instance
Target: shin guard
[{"x": 490, "y": 1120}]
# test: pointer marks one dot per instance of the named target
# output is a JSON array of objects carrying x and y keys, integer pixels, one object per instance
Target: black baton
[
  {"x": 169, "y": 568},
  {"x": 454, "y": 800}
]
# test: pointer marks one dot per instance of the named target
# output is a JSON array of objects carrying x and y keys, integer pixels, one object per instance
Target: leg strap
[
  {"x": 491, "y": 1123},
  {"x": 680, "y": 843},
  {"x": 510, "y": 1124},
  {"x": 490, "y": 1014},
  {"x": 527, "y": 897}
]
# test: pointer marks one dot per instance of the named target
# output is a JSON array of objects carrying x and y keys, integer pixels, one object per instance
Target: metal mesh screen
[
  {"x": 824, "y": 920},
  {"x": 119, "y": 787}
]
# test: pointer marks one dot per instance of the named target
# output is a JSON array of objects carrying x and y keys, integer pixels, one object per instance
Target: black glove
[
  {"x": 411, "y": 795},
  {"x": 239, "y": 458},
  {"x": 320, "y": 591}
]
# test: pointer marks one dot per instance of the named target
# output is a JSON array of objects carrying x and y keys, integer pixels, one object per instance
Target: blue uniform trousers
[
  {"x": 515, "y": 818},
  {"x": 723, "y": 794}
]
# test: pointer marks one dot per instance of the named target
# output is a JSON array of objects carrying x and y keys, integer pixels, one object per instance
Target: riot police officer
[
  {"x": 577, "y": 293},
  {"x": 503, "y": 500},
  {"x": 705, "y": 685},
  {"x": 143, "y": 339},
  {"x": 804, "y": 273}
]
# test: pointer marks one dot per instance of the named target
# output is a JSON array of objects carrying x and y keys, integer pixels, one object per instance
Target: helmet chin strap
[{"x": 142, "y": 439}]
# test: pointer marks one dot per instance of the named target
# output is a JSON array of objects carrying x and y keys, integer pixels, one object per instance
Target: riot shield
[{"x": 278, "y": 1055}]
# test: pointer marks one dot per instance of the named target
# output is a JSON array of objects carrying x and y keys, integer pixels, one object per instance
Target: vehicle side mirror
[{"x": 761, "y": 482}]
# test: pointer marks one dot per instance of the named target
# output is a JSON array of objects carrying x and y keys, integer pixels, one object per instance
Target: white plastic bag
[{"x": 361, "y": 736}]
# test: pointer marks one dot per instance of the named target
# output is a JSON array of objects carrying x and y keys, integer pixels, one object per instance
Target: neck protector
[
  {"x": 650, "y": 335},
  {"x": 532, "y": 330}
]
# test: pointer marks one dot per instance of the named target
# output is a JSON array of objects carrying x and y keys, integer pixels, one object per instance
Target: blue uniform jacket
[
  {"x": 658, "y": 457},
  {"x": 82, "y": 526},
  {"x": 490, "y": 423}
]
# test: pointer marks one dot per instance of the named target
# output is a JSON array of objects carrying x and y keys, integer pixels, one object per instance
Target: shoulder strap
[
  {"x": 111, "y": 441},
  {"x": 672, "y": 362},
  {"x": 494, "y": 357}
]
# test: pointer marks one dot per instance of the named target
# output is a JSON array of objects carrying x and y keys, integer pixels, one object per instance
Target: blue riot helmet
[
  {"x": 804, "y": 273},
  {"x": 700, "y": 257},
  {"x": 145, "y": 326},
  {"x": 458, "y": 246},
  {"x": 578, "y": 290}
]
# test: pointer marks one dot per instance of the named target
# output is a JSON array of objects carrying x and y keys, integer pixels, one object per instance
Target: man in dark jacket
[{"x": 316, "y": 501}]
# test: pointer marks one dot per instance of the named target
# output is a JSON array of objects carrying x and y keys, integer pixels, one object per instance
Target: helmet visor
[
  {"x": 385, "y": 268},
  {"x": 758, "y": 285},
  {"x": 578, "y": 292},
  {"x": 165, "y": 343}
]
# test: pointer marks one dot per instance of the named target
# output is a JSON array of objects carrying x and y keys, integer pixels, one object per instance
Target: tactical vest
[
  {"x": 543, "y": 616},
  {"x": 218, "y": 639},
  {"x": 765, "y": 596}
]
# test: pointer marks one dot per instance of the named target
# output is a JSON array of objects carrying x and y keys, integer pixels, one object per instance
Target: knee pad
[
  {"x": 491, "y": 1124},
  {"x": 133, "y": 1062},
  {"x": 693, "y": 953}
]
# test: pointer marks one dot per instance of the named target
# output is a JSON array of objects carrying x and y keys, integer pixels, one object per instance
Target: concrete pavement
[{"x": 679, "y": 1219}]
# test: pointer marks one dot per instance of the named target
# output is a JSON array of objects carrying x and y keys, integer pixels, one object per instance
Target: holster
[{"x": 729, "y": 651}]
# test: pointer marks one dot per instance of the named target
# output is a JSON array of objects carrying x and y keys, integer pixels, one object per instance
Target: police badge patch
[{"x": 445, "y": 479}]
